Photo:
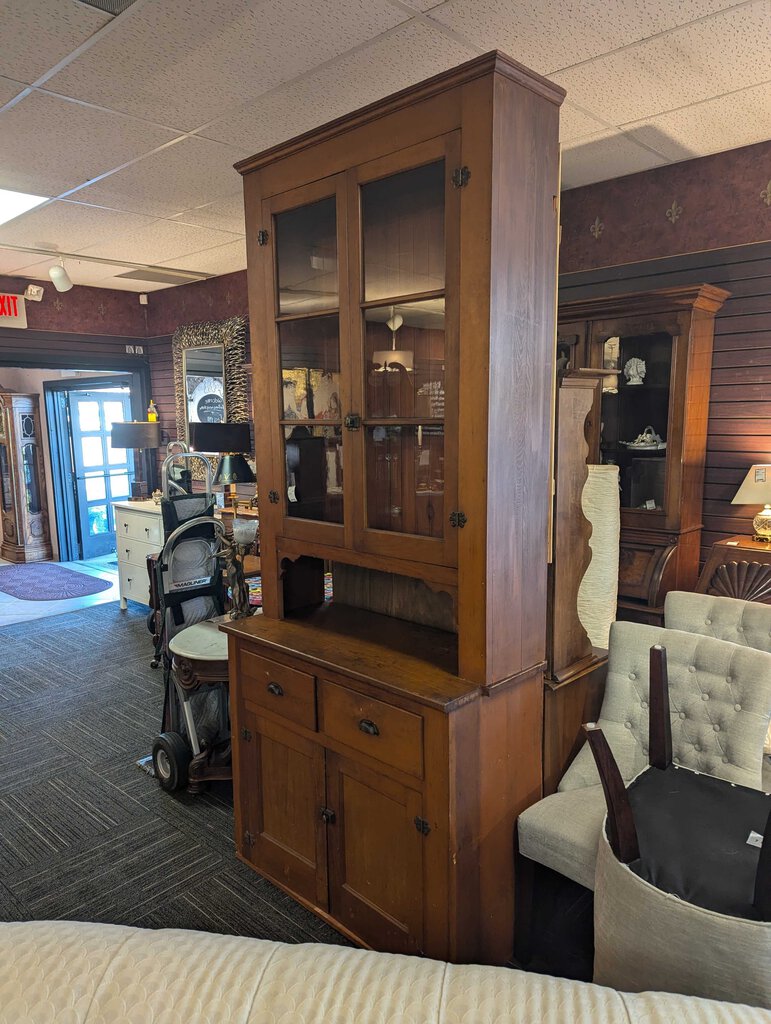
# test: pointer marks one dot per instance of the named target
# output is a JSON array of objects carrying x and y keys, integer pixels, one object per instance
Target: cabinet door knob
[
  {"x": 369, "y": 727},
  {"x": 276, "y": 689}
]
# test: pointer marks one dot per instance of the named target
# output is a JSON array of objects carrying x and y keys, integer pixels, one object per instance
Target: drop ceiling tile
[
  {"x": 575, "y": 123},
  {"x": 182, "y": 64},
  {"x": 726, "y": 122},
  {"x": 689, "y": 65},
  {"x": 606, "y": 155},
  {"x": 11, "y": 261},
  {"x": 543, "y": 36},
  {"x": 68, "y": 226},
  {"x": 225, "y": 214},
  {"x": 37, "y": 35},
  {"x": 99, "y": 275},
  {"x": 162, "y": 240},
  {"x": 51, "y": 145},
  {"x": 418, "y": 5},
  {"x": 190, "y": 173},
  {"x": 223, "y": 260},
  {"x": 553, "y": 34},
  {"x": 9, "y": 89},
  {"x": 411, "y": 53}
]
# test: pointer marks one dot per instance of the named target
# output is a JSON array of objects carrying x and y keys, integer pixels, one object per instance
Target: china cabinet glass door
[
  {"x": 404, "y": 349},
  {"x": 636, "y": 422},
  {"x": 311, "y": 380}
]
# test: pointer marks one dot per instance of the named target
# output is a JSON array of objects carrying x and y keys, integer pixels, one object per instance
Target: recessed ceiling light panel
[{"x": 14, "y": 204}]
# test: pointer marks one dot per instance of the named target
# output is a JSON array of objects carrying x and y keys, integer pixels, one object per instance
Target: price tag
[{"x": 755, "y": 839}]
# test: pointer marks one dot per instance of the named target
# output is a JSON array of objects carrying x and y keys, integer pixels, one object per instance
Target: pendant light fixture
[
  {"x": 60, "y": 277},
  {"x": 394, "y": 358}
]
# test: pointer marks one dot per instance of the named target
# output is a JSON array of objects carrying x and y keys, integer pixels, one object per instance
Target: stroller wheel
[{"x": 171, "y": 757}]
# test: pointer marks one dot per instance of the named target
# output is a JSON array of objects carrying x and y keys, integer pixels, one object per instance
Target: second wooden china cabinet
[
  {"x": 654, "y": 426},
  {"x": 401, "y": 268}
]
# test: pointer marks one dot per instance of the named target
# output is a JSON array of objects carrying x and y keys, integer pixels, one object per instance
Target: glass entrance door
[{"x": 102, "y": 473}]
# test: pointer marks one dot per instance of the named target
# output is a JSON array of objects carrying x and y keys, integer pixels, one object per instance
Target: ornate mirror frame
[{"x": 232, "y": 335}]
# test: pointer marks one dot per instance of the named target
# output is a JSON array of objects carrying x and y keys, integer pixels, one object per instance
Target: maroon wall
[
  {"x": 82, "y": 310},
  {"x": 724, "y": 200},
  {"x": 215, "y": 299}
]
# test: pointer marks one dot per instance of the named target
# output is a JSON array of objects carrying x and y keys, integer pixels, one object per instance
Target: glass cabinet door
[
  {"x": 406, "y": 354},
  {"x": 636, "y": 415},
  {"x": 310, "y": 386}
]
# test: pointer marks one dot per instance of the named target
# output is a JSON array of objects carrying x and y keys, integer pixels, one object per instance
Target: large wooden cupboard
[
  {"x": 660, "y": 344},
  {"x": 402, "y": 271}
]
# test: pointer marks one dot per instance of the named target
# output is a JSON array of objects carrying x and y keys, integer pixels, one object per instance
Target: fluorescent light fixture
[{"x": 14, "y": 204}]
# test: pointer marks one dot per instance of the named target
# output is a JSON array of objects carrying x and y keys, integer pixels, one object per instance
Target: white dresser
[{"x": 138, "y": 533}]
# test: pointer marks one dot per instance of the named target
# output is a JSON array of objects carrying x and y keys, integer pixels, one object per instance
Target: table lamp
[
  {"x": 756, "y": 490},
  {"x": 231, "y": 440},
  {"x": 140, "y": 435}
]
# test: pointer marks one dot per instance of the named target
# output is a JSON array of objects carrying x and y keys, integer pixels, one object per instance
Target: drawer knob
[
  {"x": 147, "y": 529},
  {"x": 127, "y": 550},
  {"x": 275, "y": 689},
  {"x": 369, "y": 727}
]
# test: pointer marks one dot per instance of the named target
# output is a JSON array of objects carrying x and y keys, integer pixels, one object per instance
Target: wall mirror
[
  {"x": 203, "y": 370},
  {"x": 211, "y": 383}
]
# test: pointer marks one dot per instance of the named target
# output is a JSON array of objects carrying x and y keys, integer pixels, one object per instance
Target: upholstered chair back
[
  {"x": 719, "y": 698},
  {"x": 742, "y": 622}
]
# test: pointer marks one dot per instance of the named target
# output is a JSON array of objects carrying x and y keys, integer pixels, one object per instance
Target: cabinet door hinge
[
  {"x": 422, "y": 826},
  {"x": 248, "y": 839},
  {"x": 460, "y": 177},
  {"x": 352, "y": 421},
  {"x": 262, "y": 237},
  {"x": 246, "y": 735},
  {"x": 458, "y": 519},
  {"x": 328, "y": 816},
  {"x": 273, "y": 497}
]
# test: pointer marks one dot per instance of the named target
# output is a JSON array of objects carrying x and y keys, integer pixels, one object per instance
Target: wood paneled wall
[{"x": 739, "y": 431}]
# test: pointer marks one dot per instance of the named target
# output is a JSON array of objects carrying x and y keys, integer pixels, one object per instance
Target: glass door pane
[
  {"x": 403, "y": 252},
  {"x": 403, "y": 233},
  {"x": 635, "y": 416},
  {"x": 404, "y": 360},
  {"x": 308, "y": 326},
  {"x": 306, "y": 258}
]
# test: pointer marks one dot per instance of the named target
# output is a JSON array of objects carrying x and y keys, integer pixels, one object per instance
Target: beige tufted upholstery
[
  {"x": 720, "y": 706},
  {"x": 103, "y": 974},
  {"x": 742, "y": 622},
  {"x": 719, "y": 701}
]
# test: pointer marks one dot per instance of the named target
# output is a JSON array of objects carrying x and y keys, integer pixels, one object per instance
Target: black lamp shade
[
  {"x": 220, "y": 437},
  {"x": 136, "y": 434},
  {"x": 234, "y": 469}
]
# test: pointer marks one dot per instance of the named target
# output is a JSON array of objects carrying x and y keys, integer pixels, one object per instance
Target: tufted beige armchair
[
  {"x": 720, "y": 705},
  {"x": 747, "y": 623}
]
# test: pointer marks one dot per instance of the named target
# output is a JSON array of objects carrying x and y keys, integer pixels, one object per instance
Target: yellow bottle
[{"x": 152, "y": 412}]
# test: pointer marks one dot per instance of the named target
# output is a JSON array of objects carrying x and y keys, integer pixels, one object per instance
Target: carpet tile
[{"x": 84, "y": 833}]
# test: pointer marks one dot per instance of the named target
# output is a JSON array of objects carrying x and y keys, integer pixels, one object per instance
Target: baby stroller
[{"x": 194, "y": 745}]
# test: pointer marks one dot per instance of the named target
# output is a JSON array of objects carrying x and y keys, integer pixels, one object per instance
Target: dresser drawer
[
  {"x": 134, "y": 552},
  {"x": 135, "y": 526},
  {"x": 385, "y": 732},
  {"x": 134, "y": 583},
  {"x": 278, "y": 688}
]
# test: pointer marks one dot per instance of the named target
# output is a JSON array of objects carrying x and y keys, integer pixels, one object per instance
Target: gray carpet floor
[{"x": 85, "y": 834}]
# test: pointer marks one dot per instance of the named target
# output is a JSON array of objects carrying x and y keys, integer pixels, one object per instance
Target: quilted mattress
[{"x": 67, "y": 973}]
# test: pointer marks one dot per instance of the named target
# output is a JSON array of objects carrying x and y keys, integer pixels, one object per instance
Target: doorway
[{"x": 88, "y": 473}]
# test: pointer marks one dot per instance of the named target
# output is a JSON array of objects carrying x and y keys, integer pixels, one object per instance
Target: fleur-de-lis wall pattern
[{"x": 674, "y": 211}]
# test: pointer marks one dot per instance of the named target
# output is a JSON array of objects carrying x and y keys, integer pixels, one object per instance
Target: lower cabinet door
[
  {"x": 376, "y": 852},
  {"x": 282, "y": 794}
]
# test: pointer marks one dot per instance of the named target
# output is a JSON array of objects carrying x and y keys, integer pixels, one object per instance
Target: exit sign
[{"x": 12, "y": 311}]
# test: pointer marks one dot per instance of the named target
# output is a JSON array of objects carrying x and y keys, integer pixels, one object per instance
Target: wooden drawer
[
  {"x": 383, "y": 731},
  {"x": 641, "y": 567},
  {"x": 278, "y": 688},
  {"x": 134, "y": 552},
  {"x": 134, "y": 583},
  {"x": 136, "y": 526}
]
